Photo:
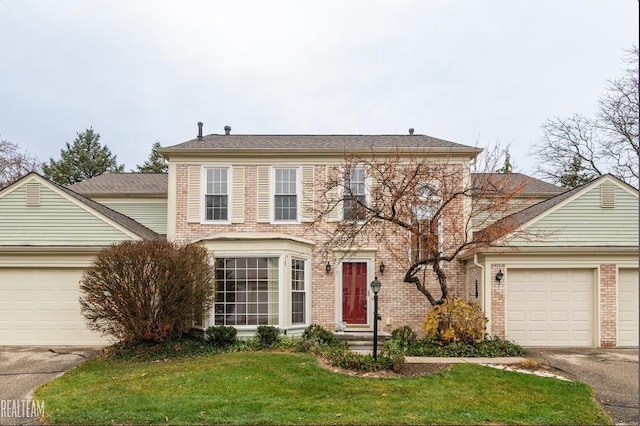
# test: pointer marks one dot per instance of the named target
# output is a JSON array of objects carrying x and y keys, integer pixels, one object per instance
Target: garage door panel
[
  {"x": 40, "y": 306},
  {"x": 628, "y": 301},
  {"x": 550, "y": 307}
]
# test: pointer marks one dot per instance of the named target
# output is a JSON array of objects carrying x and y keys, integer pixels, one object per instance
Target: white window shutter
[
  {"x": 332, "y": 195},
  {"x": 237, "y": 195},
  {"x": 263, "y": 196},
  {"x": 307, "y": 194},
  {"x": 194, "y": 197}
]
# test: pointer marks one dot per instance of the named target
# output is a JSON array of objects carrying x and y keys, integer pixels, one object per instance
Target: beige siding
[
  {"x": 583, "y": 222},
  {"x": 153, "y": 215},
  {"x": 56, "y": 221},
  {"x": 483, "y": 218}
]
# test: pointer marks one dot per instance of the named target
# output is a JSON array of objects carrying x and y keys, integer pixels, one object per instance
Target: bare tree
[
  {"x": 576, "y": 149},
  {"x": 422, "y": 211},
  {"x": 15, "y": 163}
]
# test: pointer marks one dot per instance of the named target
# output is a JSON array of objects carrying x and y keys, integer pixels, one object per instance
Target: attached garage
[
  {"x": 628, "y": 297},
  {"x": 550, "y": 307},
  {"x": 48, "y": 237},
  {"x": 39, "y": 306}
]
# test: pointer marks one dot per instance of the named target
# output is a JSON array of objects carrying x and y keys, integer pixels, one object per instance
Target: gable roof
[
  {"x": 523, "y": 217},
  {"x": 527, "y": 184},
  {"x": 124, "y": 184},
  {"x": 322, "y": 143},
  {"x": 118, "y": 218}
]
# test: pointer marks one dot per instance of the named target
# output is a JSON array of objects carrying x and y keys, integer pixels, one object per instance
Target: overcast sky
[{"x": 468, "y": 71}]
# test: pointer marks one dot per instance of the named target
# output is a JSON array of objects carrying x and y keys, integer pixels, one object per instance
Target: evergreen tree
[
  {"x": 155, "y": 163},
  {"x": 84, "y": 159},
  {"x": 507, "y": 166},
  {"x": 575, "y": 174}
]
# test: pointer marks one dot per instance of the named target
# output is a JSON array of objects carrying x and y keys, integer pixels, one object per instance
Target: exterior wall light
[
  {"x": 499, "y": 276},
  {"x": 327, "y": 268},
  {"x": 381, "y": 268}
]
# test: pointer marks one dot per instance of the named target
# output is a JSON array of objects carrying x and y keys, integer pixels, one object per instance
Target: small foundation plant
[{"x": 454, "y": 328}]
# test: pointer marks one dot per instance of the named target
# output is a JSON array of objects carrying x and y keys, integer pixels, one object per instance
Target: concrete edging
[{"x": 463, "y": 360}]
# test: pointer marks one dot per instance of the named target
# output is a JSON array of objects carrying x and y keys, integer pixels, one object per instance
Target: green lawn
[{"x": 278, "y": 388}]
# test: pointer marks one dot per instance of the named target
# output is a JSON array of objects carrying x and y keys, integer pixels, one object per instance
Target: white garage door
[
  {"x": 552, "y": 307},
  {"x": 628, "y": 307},
  {"x": 40, "y": 307}
]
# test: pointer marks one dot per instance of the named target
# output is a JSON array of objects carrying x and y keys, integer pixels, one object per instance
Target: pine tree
[
  {"x": 155, "y": 163},
  {"x": 575, "y": 174},
  {"x": 84, "y": 159}
]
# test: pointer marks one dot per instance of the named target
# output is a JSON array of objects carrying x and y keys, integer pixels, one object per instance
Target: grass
[{"x": 284, "y": 388}]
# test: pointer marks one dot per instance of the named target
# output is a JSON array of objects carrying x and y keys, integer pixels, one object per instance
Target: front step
[{"x": 362, "y": 341}]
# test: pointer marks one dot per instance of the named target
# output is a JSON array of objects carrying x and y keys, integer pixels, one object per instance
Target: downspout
[
  {"x": 475, "y": 262},
  {"x": 485, "y": 293}
]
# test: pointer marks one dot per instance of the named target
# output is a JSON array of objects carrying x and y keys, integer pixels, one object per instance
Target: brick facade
[{"x": 400, "y": 303}]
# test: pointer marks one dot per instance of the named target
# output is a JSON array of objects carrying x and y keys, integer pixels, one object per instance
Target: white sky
[{"x": 468, "y": 71}]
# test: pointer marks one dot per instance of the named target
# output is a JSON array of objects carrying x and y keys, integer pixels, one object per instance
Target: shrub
[
  {"x": 319, "y": 334},
  {"x": 146, "y": 290},
  {"x": 221, "y": 336},
  {"x": 494, "y": 347},
  {"x": 456, "y": 321},
  {"x": 401, "y": 341},
  {"x": 267, "y": 336},
  {"x": 352, "y": 361}
]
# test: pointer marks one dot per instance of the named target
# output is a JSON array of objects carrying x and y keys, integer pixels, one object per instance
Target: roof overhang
[{"x": 555, "y": 250}]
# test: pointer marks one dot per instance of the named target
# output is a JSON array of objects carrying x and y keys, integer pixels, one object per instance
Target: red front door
[{"x": 354, "y": 293}]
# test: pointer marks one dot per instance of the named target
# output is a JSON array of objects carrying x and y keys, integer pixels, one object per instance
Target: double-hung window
[
  {"x": 426, "y": 238},
  {"x": 217, "y": 194},
  {"x": 285, "y": 195},
  {"x": 354, "y": 195},
  {"x": 298, "y": 292}
]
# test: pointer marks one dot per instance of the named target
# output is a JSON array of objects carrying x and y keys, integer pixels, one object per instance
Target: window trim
[
  {"x": 272, "y": 195},
  {"x": 203, "y": 194},
  {"x": 285, "y": 258}
]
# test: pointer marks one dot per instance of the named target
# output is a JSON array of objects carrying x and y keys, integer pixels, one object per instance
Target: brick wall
[
  {"x": 608, "y": 303},
  {"x": 498, "y": 307},
  {"x": 399, "y": 302}
]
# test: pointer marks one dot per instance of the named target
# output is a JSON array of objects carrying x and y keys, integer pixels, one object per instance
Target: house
[{"x": 249, "y": 198}]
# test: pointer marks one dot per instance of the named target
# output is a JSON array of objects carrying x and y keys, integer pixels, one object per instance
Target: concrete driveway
[
  {"x": 23, "y": 369},
  {"x": 611, "y": 373}
]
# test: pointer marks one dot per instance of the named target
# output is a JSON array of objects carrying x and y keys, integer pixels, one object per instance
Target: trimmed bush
[
  {"x": 456, "y": 321},
  {"x": 146, "y": 290},
  {"x": 319, "y": 334},
  {"x": 267, "y": 336},
  {"x": 221, "y": 336}
]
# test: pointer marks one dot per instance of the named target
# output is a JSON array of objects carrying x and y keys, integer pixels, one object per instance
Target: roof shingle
[
  {"x": 150, "y": 184},
  {"x": 334, "y": 143},
  {"x": 527, "y": 184}
]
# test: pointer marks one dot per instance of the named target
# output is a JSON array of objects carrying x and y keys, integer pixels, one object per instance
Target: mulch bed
[{"x": 407, "y": 370}]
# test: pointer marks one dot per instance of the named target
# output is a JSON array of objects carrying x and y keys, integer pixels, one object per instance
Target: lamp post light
[{"x": 375, "y": 287}]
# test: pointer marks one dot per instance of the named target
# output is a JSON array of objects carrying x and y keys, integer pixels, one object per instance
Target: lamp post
[{"x": 375, "y": 287}]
